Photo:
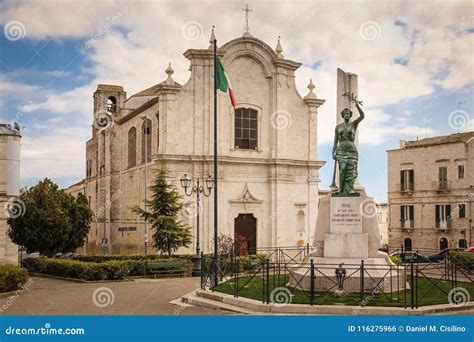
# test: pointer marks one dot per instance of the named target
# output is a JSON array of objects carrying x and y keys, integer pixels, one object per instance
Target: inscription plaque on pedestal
[{"x": 345, "y": 215}]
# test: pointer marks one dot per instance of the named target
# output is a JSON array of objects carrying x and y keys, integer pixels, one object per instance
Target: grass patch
[{"x": 430, "y": 291}]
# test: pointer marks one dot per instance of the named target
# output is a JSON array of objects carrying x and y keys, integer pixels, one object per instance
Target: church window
[
  {"x": 132, "y": 147},
  {"x": 246, "y": 128},
  {"x": 146, "y": 140}
]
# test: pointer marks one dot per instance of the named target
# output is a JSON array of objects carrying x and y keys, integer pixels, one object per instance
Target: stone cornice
[
  {"x": 242, "y": 160},
  {"x": 286, "y": 63}
]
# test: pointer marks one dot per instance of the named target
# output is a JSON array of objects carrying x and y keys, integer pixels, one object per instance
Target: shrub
[
  {"x": 115, "y": 257},
  {"x": 12, "y": 277},
  {"x": 101, "y": 269},
  {"x": 90, "y": 271},
  {"x": 463, "y": 259}
]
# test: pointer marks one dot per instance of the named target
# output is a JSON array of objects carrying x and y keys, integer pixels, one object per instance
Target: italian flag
[{"x": 223, "y": 83}]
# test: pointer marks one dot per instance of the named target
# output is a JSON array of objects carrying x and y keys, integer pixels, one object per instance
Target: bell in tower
[{"x": 108, "y": 100}]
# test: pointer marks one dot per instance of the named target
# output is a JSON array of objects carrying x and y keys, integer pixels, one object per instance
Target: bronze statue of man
[{"x": 345, "y": 151}]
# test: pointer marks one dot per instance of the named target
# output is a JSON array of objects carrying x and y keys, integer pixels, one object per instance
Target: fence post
[
  {"x": 416, "y": 286},
  {"x": 412, "y": 284},
  {"x": 263, "y": 283},
  {"x": 268, "y": 281},
  {"x": 312, "y": 282},
  {"x": 307, "y": 248},
  {"x": 236, "y": 279},
  {"x": 361, "y": 282},
  {"x": 203, "y": 270}
]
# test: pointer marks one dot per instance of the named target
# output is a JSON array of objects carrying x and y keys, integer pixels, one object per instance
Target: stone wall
[{"x": 425, "y": 162}]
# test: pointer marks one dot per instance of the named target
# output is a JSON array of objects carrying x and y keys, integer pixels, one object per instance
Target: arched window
[
  {"x": 111, "y": 104},
  {"x": 300, "y": 222},
  {"x": 146, "y": 140},
  {"x": 462, "y": 243},
  {"x": 443, "y": 243},
  {"x": 407, "y": 244},
  {"x": 246, "y": 128},
  {"x": 132, "y": 147}
]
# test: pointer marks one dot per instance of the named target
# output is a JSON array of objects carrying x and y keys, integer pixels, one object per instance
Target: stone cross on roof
[{"x": 246, "y": 23}]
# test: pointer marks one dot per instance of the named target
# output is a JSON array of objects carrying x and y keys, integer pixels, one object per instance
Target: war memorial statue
[{"x": 344, "y": 151}]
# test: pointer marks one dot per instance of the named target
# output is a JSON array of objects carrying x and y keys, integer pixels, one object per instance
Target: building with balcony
[{"x": 430, "y": 192}]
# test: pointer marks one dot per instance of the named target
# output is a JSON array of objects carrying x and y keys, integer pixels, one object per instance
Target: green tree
[
  {"x": 51, "y": 221},
  {"x": 162, "y": 213}
]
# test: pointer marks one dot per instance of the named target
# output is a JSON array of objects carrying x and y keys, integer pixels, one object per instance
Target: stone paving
[{"x": 46, "y": 296}]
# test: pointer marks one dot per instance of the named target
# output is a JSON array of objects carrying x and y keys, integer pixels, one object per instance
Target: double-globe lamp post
[{"x": 187, "y": 183}]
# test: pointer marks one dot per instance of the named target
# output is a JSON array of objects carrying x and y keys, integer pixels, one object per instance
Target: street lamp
[
  {"x": 197, "y": 189},
  {"x": 145, "y": 132}
]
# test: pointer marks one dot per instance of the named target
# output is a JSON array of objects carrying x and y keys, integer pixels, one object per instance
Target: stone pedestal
[{"x": 347, "y": 232}]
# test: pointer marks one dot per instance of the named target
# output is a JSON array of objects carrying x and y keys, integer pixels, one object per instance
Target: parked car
[
  {"x": 411, "y": 256},
  {"x": 441, "y": 255}
]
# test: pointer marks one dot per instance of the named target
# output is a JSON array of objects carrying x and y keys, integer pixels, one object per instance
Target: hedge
[
  {"x": 463, "y": 259},
  {"x": 12, "y": 277},
  {"x": 111, "y": 270},
  {"x": 120, "y": 257},
  {"x": 90, "y": 271}
]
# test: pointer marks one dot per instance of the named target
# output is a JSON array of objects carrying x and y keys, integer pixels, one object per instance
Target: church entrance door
[{"x": 245, "y": 228}]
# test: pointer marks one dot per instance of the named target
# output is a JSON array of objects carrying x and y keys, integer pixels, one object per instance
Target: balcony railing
[
  {"x": 444, "y": 224},
  {"x": 406, "y": 187},
  {"x": 441, "y": 185},
  {"x": 407, "y": 223}
]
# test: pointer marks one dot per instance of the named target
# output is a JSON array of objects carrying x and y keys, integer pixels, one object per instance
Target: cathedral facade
[{"x": 267, "y": 151}]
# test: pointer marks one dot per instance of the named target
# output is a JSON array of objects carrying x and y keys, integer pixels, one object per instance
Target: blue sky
[{"x": 414, "y": 63}]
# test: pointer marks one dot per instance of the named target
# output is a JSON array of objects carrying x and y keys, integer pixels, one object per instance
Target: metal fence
[{"x": 281, "y": 277}]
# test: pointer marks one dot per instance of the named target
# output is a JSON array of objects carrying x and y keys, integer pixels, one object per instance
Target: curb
[{"x": 254, "y": 307}]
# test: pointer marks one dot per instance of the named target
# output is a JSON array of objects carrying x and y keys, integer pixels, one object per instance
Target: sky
[{"x": 413, "y": 58}]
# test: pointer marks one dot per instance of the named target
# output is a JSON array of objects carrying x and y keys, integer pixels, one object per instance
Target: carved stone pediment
[{"x": 246, "y": 197}]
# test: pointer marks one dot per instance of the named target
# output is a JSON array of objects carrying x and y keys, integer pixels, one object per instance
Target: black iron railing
[{"x": 279, "y": 279}]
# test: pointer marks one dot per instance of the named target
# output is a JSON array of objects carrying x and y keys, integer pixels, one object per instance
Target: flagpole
[{"x": 215, "y": 163}]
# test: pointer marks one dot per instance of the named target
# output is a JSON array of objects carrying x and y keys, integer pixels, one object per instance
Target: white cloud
[{"x": 134, "y": 49}]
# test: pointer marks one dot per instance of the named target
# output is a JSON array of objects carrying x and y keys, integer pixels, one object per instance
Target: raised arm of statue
[{"x": 361, "y": 115}]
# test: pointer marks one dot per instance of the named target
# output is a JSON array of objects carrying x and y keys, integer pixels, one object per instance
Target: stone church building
[{"x": 268, "y": 163}]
